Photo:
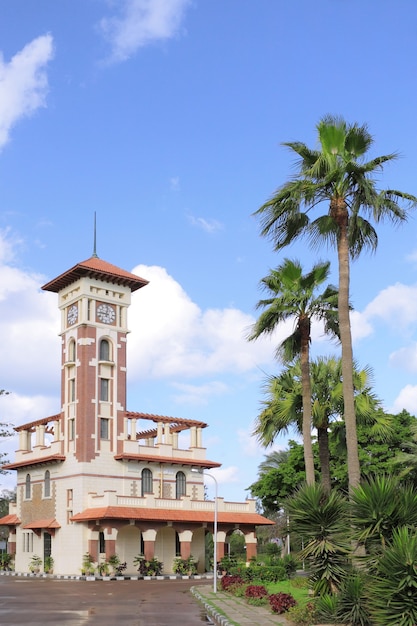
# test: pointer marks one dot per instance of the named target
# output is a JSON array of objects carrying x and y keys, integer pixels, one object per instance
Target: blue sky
[{"x": 165, "y": 117}]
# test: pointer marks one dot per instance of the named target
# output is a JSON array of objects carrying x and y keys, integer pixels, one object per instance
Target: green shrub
[
  {"x": 393, "y": 591},
  {"x": 303, "y": 614},
  {"x": 327, "y": 607},
  {"x": 352, "y": 606}
]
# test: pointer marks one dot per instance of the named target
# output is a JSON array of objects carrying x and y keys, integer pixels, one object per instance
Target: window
[
  {"x": 177, "y": 545},
  {"x": 180, "y": 485},
  {"x": 71, "y": 429},
  {"x": 47, "y": 485},
  {"x": 71, "y": 350},
  {"x": 104, "y": 389},
  {"x": 147, "y": 481},
  {"x": 102, "y": 543},
  {"x": 104, "y": 428},
  {"x": 27, "y": 542},
  {"x": 71, "y": 390},
  {"x": 27, "y": 487},
  {"x": 69, "y": 497},
  {"x": 104, "y": 350}
]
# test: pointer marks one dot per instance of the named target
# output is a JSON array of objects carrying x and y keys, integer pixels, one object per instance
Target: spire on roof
[{"x": 95, "y": 239}]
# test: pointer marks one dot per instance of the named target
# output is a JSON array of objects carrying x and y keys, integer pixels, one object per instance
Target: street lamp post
[{"x": 214, "y": 528}]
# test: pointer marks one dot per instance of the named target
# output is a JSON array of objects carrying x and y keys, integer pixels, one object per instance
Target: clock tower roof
[{"x": 96, "y": 268}]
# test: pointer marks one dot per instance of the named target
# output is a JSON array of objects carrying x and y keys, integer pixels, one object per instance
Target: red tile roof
[
  {"x": 96, "y": 268},
  {"x": 151, "y": 458},
  {"x": 168, "y": 515},
  {"x": 9, "y": 520},
  {"x": 54, "y": 458},
  {"x": 43, "y": 523}
]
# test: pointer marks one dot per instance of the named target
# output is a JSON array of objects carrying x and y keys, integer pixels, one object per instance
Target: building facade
[{"x": 96, "y": 478}]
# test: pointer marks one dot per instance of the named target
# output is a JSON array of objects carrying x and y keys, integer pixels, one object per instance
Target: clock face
[
  {"x": 106, "y": 313},
  {"x": 72, "y": 314}
]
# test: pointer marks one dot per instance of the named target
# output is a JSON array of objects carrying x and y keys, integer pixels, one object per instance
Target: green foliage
[
  {"x": 326, "y": 607},
  {"x": 352, "y": 601},
  {"x": 35, "y": 563},
  {"x": 148, "y": 567},
  {"x": 6, "y": 561},
  {"x": 48, "y": 565},
  {"x": 378, "y": 507},
  {"x": 185, "y": 567},
  {"x": 303, "y": 614},
  {"x": 227, "y": 563},
  {"x": 88, "y": 564},
  {"x": 393, "y": 591},
  {"x": 322, "y": 519}
]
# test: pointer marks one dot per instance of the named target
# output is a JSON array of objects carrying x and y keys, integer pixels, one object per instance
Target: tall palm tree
[
  {"x": 337, "y": 174},
  {"x": 283, "y": 407},
  {"x": 293, "y": 296}
]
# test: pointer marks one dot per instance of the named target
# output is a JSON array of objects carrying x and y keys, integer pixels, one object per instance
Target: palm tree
[
  {"x": 293, "y": 296},
  {"x": 283, "y": 407},
  {"x": 338, "y": 174}
]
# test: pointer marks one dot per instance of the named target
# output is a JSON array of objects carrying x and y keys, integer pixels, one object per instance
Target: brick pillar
[
  {"x": 110, "y": 547},
  {"x": 220, "y": 550},
  {"x": 185, "y": 549},
  {"x": 251, "y": 550},
  {"x": 149, "y": 549},
  {"x": 93, "y": 548}
]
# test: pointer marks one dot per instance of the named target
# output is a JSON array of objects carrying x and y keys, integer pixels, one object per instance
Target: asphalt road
[{"x": 50, "y": 601}]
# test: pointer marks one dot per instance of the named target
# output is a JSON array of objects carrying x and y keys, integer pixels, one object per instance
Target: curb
[{"x": 219, "y": 620}]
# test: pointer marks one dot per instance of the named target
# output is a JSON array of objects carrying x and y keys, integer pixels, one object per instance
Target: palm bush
[
  {"x": 393, "y": 590},
  {"x": 322, "y": 519},
  {"x": 379, "y": 506},
  {"x": 352, "y": 601}
]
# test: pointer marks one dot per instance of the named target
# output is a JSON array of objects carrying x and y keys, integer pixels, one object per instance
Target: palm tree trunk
[
  {"x": 324, "y": 456},
  {"x": 354, "y": 473},
  {"x": 306, "y": 390}
]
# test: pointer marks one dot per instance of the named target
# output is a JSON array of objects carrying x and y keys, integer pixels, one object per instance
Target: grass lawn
[{"x": 297, "y": 587}]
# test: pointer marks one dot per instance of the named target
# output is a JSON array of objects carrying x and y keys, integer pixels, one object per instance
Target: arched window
[
  {"x": 180, "y": 485},
  {"x": 27, "y": 489},
  {"x": 71, "y": 350},
  {"x": 104, "y": 350},
  {"x": 147, "y": 481},
  {"x": 47, "y": 485}
]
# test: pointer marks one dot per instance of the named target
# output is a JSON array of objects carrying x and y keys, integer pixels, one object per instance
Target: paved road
[{"x": 49, "y": 601}]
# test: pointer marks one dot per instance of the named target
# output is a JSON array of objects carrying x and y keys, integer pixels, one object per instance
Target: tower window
[
  {"x": 47, "y": 485},
  {"x": 71, "y": 429},
  {"x": 27, "y": 487},
  {"x": 180, "y": 485},
  {"x": 104, "y": 389},
  {"x": 71, "y": 350},
  {"x": 104, "y": 428},
  {"x": 147, "y": 481},
  {"x": 71, "y": 390},
  {"x": 104, "y": 350}
]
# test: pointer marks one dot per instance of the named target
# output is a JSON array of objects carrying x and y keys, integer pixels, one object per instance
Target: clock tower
[{"x": 93, "y": 299}]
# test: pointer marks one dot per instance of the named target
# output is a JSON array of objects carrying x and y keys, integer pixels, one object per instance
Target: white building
[{"x": 98, "y": 478}]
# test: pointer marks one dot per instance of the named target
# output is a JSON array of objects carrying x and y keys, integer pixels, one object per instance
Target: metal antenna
[{"x": 95, "y": 238}]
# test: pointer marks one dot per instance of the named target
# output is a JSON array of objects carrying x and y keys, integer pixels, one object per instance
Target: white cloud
[
  {"x": 29, "y": 328},
  {"x": 141, "y": 22},
  {"x": 396, "y": 305},
  {"x": 198, "y": 394},
  {"x": 209, "y": 226},
  {"x": 23, "y": 83},
  {"x": 406, "y": 399},
  {"x": 405, "y": 357},
  {"x": 172, "y": 337}
]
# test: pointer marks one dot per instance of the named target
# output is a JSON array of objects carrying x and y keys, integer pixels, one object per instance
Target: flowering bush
[
  {"x": 231, "y": 581},
  {"x": 281, "y": 602},
  {"x": 256, "y": 591}
]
